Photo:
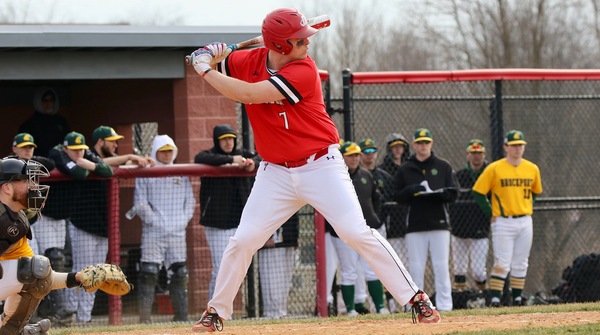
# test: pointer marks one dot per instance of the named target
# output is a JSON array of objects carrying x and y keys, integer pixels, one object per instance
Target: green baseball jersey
[{"x": 512, "y": 187}]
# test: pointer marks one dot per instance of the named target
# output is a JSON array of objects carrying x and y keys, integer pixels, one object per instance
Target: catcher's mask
[{"x": 16, "y": 169}]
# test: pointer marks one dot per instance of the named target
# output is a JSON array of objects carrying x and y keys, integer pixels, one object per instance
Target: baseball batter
[
  {"x": 298, "y": 141},
  {"x": 514, "y": 183}
]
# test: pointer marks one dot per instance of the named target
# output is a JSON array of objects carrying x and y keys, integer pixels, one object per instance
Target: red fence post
[
  {"x": 321, "y": 265},
  {"x": 115, "y": 307}
]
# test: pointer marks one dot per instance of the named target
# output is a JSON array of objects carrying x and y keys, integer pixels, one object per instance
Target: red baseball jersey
[{"x": 290, "y": 129}]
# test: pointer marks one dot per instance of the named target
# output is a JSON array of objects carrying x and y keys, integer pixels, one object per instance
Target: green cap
[
  {"x": 514, "y": 137},
  {"x": 368, "y": 146},
  {"x": 475, "y": 145},
  {"x": 350, "y": 148},
  {"x": 75, "y": 141},
  {"x": 23, "y": 140},
  {"x": 105, "y": 133},
  {"x": 422, "y": 134}
]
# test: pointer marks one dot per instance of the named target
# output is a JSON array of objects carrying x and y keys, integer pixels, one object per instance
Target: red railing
[{"x": 115, "y": 309}]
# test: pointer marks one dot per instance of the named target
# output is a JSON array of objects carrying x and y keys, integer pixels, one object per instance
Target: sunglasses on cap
[{"x": 370, "y": 151}]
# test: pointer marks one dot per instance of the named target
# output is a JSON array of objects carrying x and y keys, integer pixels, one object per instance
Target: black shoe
[
  {"x": 495, "y": 304},
  {"x": 361, "y": 309},
  {"x": 331, "y": 310}
]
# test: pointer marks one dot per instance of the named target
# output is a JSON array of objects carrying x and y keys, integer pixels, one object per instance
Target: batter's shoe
[
  {"x": 39, "y": 328},
  {"x": 423, "y": 310},
  {"x": 209, "y": 322}
]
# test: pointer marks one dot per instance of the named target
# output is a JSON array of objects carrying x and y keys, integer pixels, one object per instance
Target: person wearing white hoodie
[{"x": 165, "y": 206}]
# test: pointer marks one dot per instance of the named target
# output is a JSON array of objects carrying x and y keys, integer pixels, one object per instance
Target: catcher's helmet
[
  {"x": 17, "y": 169},
  {"x": 283, "y": 24}
]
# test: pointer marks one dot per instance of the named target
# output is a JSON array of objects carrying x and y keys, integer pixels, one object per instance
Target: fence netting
[{"x": 559, "y": 118}]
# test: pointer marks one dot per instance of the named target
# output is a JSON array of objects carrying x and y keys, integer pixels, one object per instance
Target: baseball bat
[{"x": 317, "y": 22}]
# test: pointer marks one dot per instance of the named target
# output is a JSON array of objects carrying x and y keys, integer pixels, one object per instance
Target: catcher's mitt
[{"x": 106, "y": 277}]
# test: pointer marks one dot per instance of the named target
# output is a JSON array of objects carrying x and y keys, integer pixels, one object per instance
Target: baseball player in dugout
[
  {"x": 385, "y": 185},
  {"x": 87, "y": 221},
  {"x": 514, "y": 183},
  {"x": 281, "y": 89},
  {"x": 394, "y": 214},
  {"x": 470, "y": 226},
  {"x": 351, "y": 263},
  {"x": 427, "y": 184},
  {"x": 26, "y": 278},
  {"x": 223, "y": 198},
  {"x": 165, "y": 205},
  {"x": 397, "y": 152},
  {"x": 105, "y": 143},
  {"x": 368, "y": 160}
]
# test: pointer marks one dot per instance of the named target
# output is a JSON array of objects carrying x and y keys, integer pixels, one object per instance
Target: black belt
[{"x": 514, "y": 216}]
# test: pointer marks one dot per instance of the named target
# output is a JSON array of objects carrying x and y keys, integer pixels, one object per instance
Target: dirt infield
[{"x": 392, "y": 326}]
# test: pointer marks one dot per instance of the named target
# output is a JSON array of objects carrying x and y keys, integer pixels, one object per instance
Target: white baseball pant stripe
[
  {"x": 511, "y": 241},
  {"x": 277, "y": 194},
  {"x": 436, "y": 242}
]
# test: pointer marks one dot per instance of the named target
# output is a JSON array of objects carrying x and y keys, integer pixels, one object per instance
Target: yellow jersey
[{"x": 512, "y": 187}]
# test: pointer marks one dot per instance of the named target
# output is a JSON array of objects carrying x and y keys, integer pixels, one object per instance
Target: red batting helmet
[{"x": 283, "y": 24}]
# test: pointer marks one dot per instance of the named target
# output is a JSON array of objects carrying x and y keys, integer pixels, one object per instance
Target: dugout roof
[{"x": 72, "y": 52}]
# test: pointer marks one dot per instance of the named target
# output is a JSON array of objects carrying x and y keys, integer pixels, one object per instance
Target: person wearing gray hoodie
[{"x": 165, "y": 206}]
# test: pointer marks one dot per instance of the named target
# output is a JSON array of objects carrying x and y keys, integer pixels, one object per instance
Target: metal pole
[
  {"x": 245, "y": 128},
  {"x": 348, "y": 112},
  {"x": 496, "y": 123}
]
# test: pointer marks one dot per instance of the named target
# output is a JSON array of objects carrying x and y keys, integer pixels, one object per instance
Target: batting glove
[
  {"x": 219, "y": 51},
  {"x": 201, "y": 60}
]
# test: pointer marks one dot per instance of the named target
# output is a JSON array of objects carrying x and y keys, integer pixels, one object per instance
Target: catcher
[{"x": 26, "y": 278}]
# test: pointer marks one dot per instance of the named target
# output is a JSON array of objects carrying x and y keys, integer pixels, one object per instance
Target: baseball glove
[{"x": 105, "y": 277}]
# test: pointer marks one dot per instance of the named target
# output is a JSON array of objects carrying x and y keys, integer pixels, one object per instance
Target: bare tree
[{"x": 511, "y": 33}]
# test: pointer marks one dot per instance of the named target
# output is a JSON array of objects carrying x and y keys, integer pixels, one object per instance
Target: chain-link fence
[
  {"x": 558, "y": 117},
  {"x": 556, "y": 110}
]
